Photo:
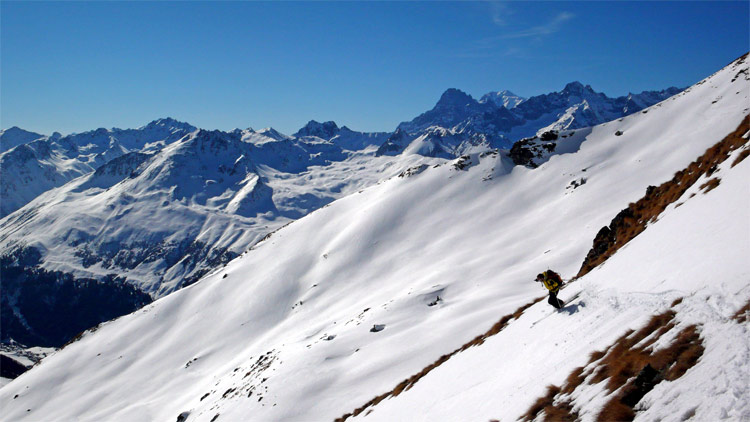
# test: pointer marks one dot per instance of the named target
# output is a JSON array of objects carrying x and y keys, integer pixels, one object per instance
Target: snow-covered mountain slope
[
  {"x": 353, "y": 140},
  {"x": 436, "y": 141},
  {"x": 334, "y": 309},
  {"x": 342, "y": 136},
  {"x": 205, "y": 199},
  {"x": 161, "y": 220},
  {"x": 666, "y": 271},
  {"x": 502, "y": 98},
  {"x": 33, "y": 168},
  {"x": 272, "y": 133},
  {"x": 150, "y": 137},
  {"x": 23, "y": 357},
  {"x": 15, "y": 136},
  {"x": 325, "y": 130},
  {"x": 578, "y": 106},
  {"x": 467, "y": 119},
  {"x": 499, "y": 119},
  {"x": 455, "y": 107}
]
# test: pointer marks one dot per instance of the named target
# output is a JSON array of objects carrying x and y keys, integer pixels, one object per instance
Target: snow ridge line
[
  {"x": 633, "y": 220},
  {"x": 409, "y": 382}
]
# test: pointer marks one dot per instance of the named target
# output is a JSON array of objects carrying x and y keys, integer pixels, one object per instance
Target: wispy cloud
[
  {"x": 508, "y": 42},
  {"x": 540, "y": 30},
  {"x": 499, "y": 12},
  {"x": 484, "y": 53}
]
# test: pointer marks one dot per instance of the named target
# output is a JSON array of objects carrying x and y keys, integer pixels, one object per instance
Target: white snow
[
  {"x": 15, "y": 136},
  {"x": 503, "y": 98},
  {"x": 32, "y": 168},
  {"x": 290, "y": 320},
  {"x": 706, "y": 265},
  {"x": 178, "y": 196}
]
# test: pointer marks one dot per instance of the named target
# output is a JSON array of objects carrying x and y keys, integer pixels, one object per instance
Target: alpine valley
[{"x": 197, "y": 275}]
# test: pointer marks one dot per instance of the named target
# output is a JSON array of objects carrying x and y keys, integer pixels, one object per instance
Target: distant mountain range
[
  {"x": 158, "y": 207},
  {"x": 45, "y": 162},
  {"x": 459, "y": 124},
  {"x": 398, "y": 287},
  {"x": 15, "y": 136}
]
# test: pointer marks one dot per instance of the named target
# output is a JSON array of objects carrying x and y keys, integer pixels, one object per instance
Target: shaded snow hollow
[{"x": 283, "y": 332}]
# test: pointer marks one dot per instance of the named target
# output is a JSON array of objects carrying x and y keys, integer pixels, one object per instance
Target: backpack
[{"x": 552, "y": 280}]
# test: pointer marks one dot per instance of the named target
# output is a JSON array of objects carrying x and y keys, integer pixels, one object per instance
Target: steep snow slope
[
  {"x": 283, "y": 333},
  {"x": 705, "y": 265},
  {"x": 26, "y": 357}
]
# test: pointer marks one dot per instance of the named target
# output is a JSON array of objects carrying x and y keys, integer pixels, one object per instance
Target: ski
[
  {"x": 540, "y": 320},
  {"x": 557, "y": 311}
]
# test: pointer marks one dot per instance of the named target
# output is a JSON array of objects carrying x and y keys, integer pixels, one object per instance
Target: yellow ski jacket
[{"x": 552, "y": 281}]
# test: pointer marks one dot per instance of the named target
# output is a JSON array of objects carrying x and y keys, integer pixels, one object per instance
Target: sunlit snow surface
[
  {"x": 35, "y": 167},
  {"x": 141, "y": 203},
  {"x": 287, "y": 321}
]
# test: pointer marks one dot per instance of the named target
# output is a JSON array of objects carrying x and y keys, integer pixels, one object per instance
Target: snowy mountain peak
[
  {"x": 17, "y": 131},
  {"x": 500, "y": 118},
  {"x": 577, "y": 88},
  {"x": 504, "y": 98},
  {"x": 398, "y": 134},
  {"x": 168, "y": 122},
  {"x": 273, "y": 133},
  {"x": 453, "y": 97},
  {"x": 15, "y": 136},
  {"x": 209, "y": 140},
  {"x": 395, "y": 143},
  {"x": 453, "y": 107},
  {"x": 325, "y": 130},
  {"x": 58, "y": 159}
]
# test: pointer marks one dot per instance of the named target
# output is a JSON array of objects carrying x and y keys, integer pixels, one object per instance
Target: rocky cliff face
[{"x": 325, "y": 130}]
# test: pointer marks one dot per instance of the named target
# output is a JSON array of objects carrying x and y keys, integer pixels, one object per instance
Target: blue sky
[{"x": 72, "y": 67}]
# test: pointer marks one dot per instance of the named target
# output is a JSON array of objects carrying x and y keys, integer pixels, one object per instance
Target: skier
[{"x": 553, "y": 283}]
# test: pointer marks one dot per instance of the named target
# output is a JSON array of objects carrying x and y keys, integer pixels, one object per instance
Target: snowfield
[
  {"x": 161, "y": 205},
  {"x": 690, "y": 253},
  {"x": 342, "y": 305},
  {"x": 160, "y": 219}
]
